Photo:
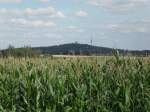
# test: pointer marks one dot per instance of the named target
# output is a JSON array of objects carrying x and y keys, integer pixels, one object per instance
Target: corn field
[{"x": 98, "y": 84}]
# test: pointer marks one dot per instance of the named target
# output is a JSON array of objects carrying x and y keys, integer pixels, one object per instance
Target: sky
[{"x": 121, "y": 24}]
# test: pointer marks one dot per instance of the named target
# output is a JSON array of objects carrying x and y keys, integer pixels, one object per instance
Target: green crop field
[{"x": 91, "y": 84}]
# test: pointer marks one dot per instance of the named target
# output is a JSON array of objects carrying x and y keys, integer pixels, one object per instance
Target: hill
[
  {"x": 67, "y": 49},
  {"x": 74, "y": 48},
  {"x": 85, "y": 49}
]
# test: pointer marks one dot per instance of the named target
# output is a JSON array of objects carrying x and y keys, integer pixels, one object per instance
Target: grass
[{"x": 98, "y": 84}]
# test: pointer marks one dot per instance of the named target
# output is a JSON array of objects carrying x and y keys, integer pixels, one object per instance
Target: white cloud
[
  {"x": 81, "y": 13},
  {"x": 111, "y": 26},
  {"x": 44, "y": 0},
  {"x": 10, "y": 1},
  {"x": 32, "y": 23},
  {"x": 19, "y": 1},
  {"x": 59, "y": 14},
  {"x": 129, "y": 27},
  {"x": 9, "y": 11},
  {"x": 100, "y": 2},
  {"x": 72, "y": 28},
  {"x": 119, "y": 5},
  {"x": 48, "y": 11}
]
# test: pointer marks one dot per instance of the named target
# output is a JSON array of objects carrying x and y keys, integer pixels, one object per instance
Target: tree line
[
  {"x": 67, "y": 49},
  {"x": 26, "y": 51}
]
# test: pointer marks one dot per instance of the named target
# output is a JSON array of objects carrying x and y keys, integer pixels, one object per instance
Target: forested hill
[
  {"x": 74, "y": 48},
  {"x": 67, "y": 49},
  {"x": 84, "y": 49}
]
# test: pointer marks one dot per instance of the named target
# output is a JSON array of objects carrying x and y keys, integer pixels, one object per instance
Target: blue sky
[{"x": 111, "y": 23}]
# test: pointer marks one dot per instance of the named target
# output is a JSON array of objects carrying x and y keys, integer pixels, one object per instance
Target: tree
[{"x": 20, "y": 52}]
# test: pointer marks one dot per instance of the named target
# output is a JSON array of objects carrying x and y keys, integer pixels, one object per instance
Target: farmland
[{"x": 75, "y": 84}]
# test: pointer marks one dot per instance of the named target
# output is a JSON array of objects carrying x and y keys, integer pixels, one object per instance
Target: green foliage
[
  {"x": 75, "y": 85},
  {"x": 20, "y": 52}
]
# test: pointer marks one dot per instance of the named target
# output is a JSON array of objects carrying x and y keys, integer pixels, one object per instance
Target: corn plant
[{"x": 98, "y": 84}]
